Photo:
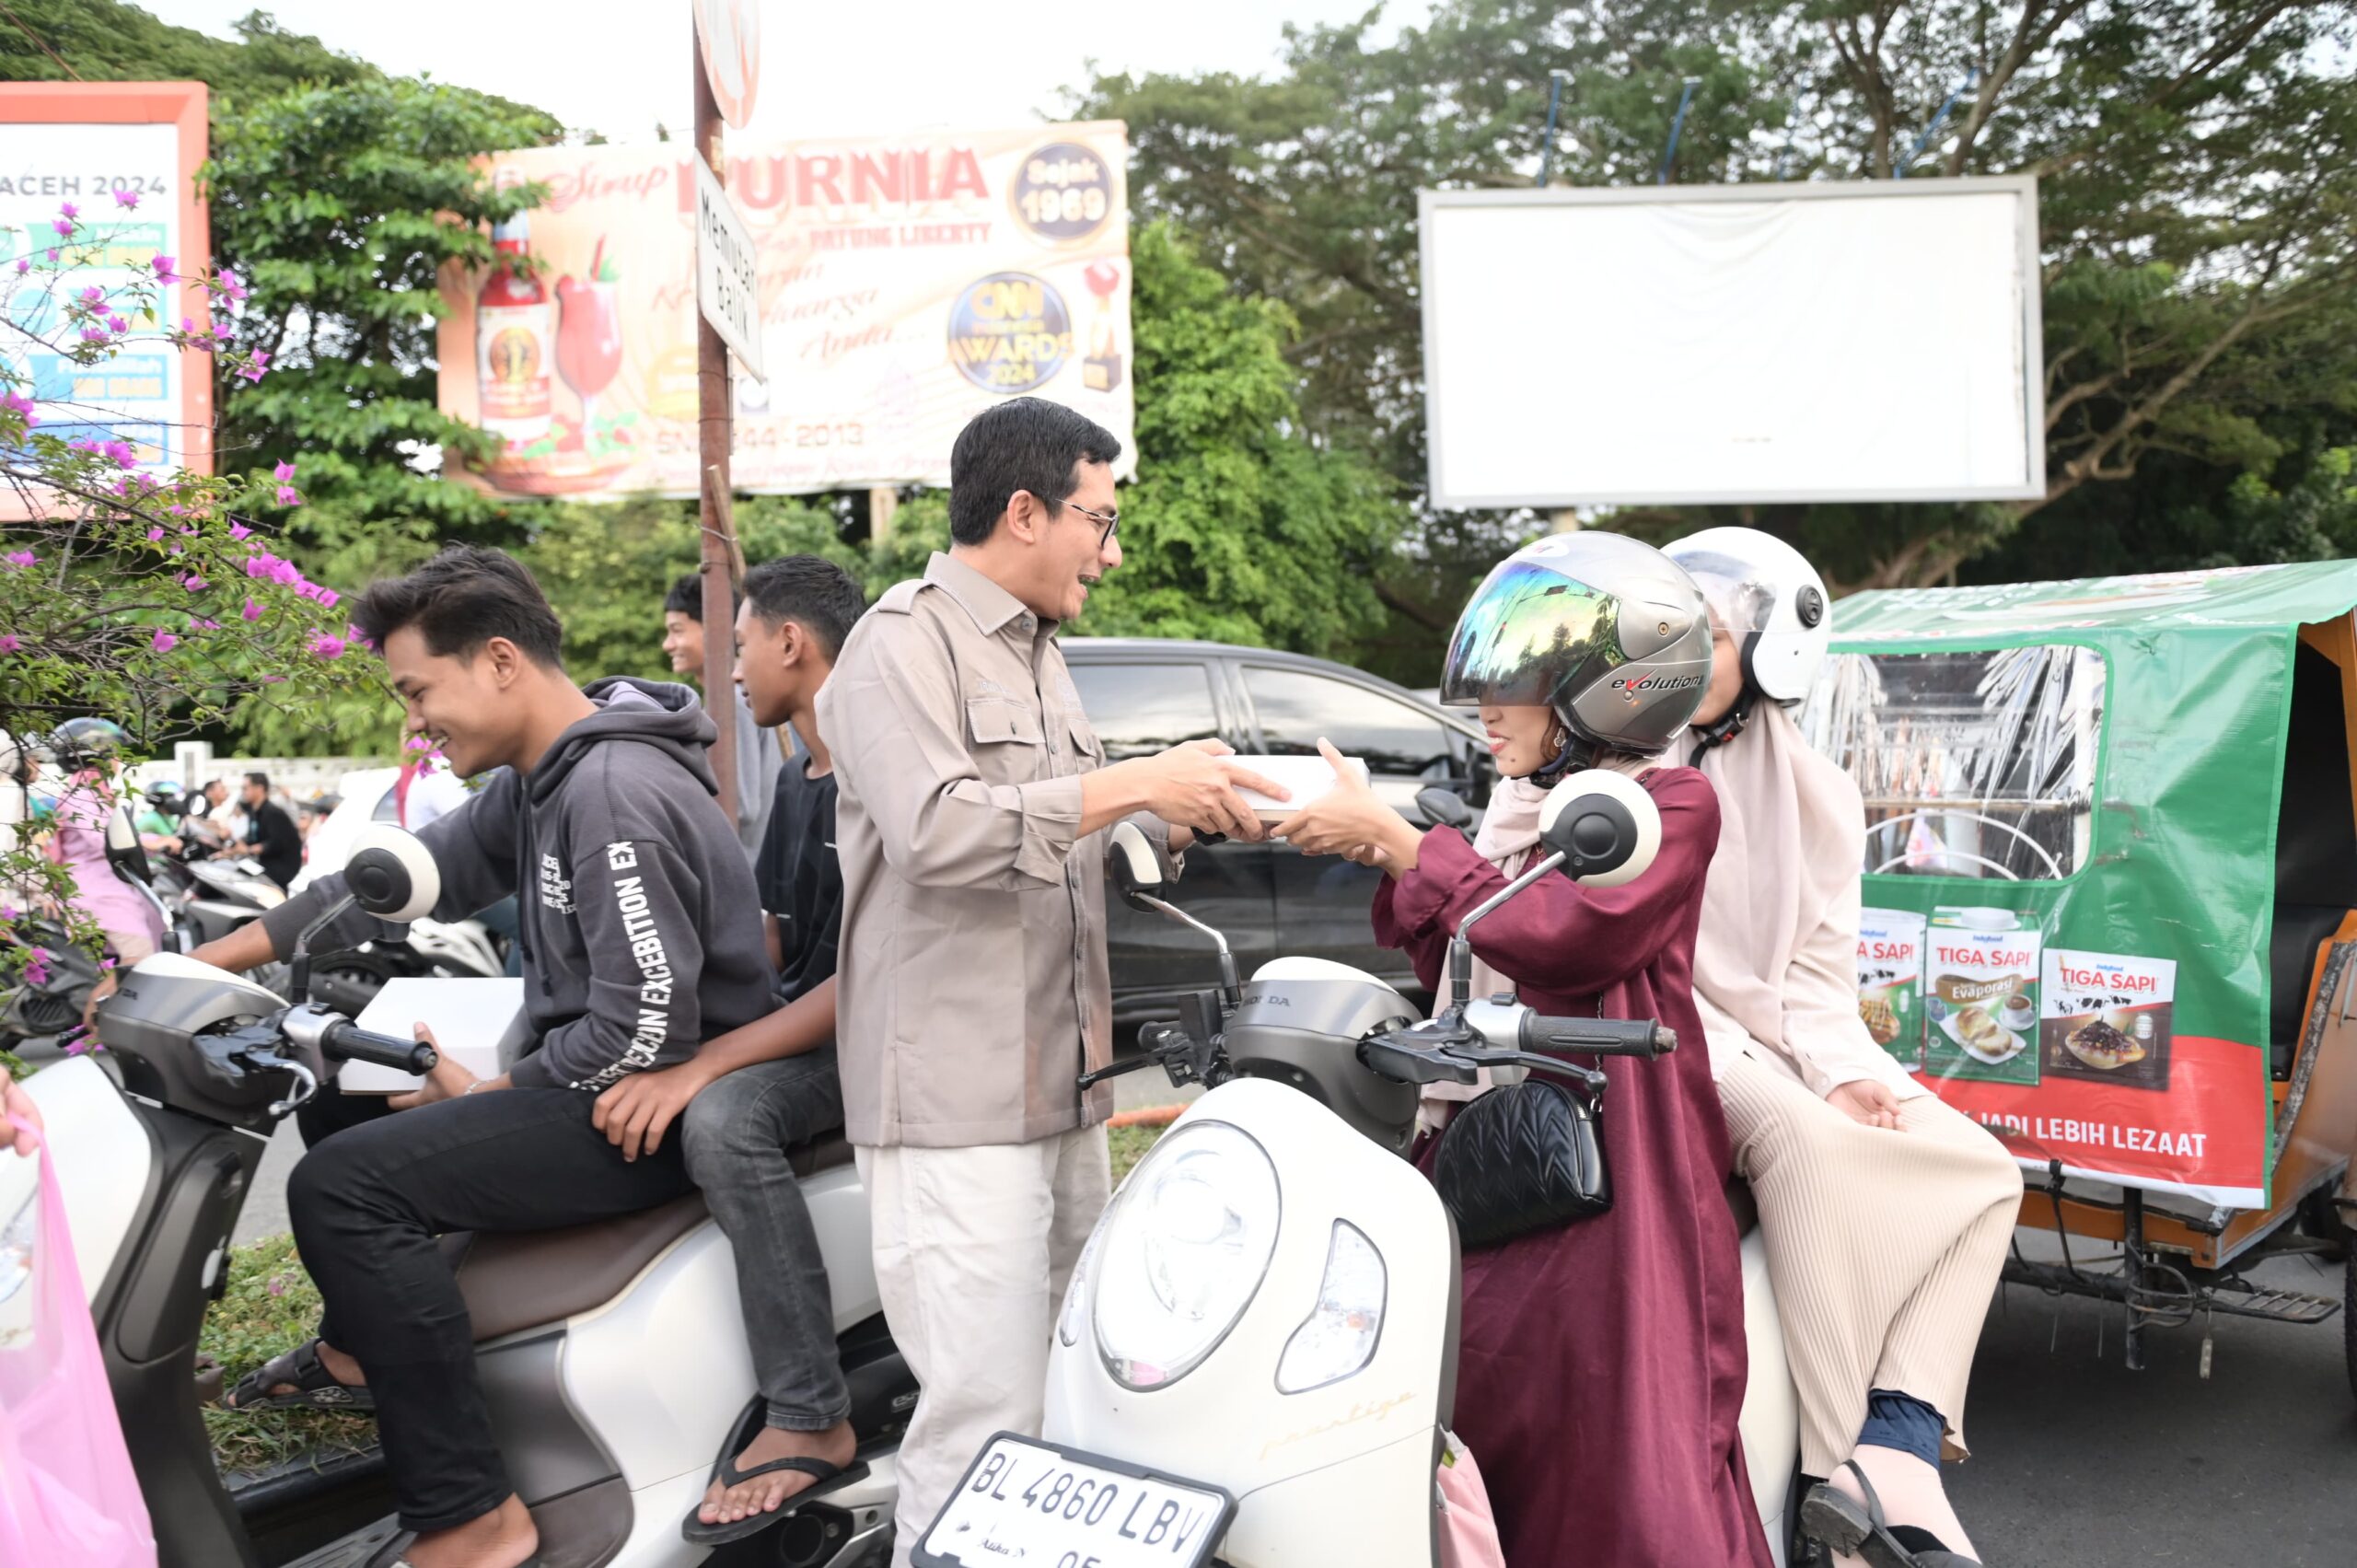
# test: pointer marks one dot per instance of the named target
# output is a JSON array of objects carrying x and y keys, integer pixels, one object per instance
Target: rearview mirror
[
  {"x": 1133, "y": 864},
  {"x": 1604, "y": 825},
  {"x": 1444, "y": 807},
  {"x": 391, "y": 874},
  {"x": 125, "y": 852}
]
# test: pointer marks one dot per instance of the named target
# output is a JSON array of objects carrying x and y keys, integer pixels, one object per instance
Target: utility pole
[{"x": 715, "y": 423}]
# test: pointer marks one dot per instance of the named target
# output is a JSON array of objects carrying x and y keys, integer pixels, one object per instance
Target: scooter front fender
[{"x": 1372, "y": 1436}]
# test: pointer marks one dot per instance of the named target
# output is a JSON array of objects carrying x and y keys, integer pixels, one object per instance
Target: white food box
[
  {"x": 1306, "y": 778},
  {"x": 480, "y": 1023}
]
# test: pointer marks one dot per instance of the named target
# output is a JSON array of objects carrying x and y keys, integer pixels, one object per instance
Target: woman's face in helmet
[
  {"x": 1726, "y": 677},
  {"x": 1518, "y": 737}
]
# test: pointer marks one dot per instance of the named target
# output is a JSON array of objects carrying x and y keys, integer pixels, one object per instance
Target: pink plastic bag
[
  {"x": 1469, "y": 1531},
  {"x": 67, "y": 1491}
]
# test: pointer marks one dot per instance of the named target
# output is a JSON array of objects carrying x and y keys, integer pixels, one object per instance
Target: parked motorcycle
[
  {"x": 612, "y": 1355},
  {"x": 1256, "y": 1359}
]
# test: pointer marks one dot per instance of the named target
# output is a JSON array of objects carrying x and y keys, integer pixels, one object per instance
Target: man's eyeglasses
[{"x": 1107, "y": 523}]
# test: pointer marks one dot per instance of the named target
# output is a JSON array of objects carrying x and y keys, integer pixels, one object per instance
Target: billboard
[
  {"x": 1872, "y": 340},
  {"x": 907, "y": 283},
  {"x": 83, "y": 142}
]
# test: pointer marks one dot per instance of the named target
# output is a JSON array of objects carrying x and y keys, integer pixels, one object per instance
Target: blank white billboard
[{"x": 1869, "y": 340}]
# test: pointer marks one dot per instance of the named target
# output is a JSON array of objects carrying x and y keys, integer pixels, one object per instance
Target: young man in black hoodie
[{"x": 642, "y": 939}]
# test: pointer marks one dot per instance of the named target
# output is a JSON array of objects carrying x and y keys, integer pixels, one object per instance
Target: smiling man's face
[
  {"x": 1070, "y": 558},
  {"x": 460, "y": 701}
]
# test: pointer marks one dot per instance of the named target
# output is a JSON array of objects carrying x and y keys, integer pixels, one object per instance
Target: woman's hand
[
  {"x": 1867, "y": 1102},
  {"x": 1351, "y": 820}
]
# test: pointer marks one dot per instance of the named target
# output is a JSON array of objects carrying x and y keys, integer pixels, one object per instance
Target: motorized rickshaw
[{"x": 2111, "y": 908}]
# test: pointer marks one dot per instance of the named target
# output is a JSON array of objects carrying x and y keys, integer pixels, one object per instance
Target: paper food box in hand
[
  {"x": 480, "y": 1023},
  {"x": 1305, "y": 779}
]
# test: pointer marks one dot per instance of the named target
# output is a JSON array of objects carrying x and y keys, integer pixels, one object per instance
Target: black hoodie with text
[{"x": 639, "y": 920}]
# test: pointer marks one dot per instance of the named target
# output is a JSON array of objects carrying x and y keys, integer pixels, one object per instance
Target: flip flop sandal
[
  {"x": 1842, "y": 1523},
  {"x": 826, "y": 1478},
  {"x": 315, "y": 1385}
]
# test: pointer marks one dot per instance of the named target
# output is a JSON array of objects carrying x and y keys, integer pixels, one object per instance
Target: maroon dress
[{"x": 1603, "y": 1362}]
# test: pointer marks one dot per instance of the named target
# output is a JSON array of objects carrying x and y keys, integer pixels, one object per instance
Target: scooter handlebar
[
  {"x": 1609, "y": 1036},
  {"x": 353, "y": 1043}
]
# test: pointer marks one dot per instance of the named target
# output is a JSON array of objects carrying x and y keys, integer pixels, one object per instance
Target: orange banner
[{"x": 907, "y": 283}]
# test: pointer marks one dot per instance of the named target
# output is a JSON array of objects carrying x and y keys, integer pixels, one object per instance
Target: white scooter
[
  {"x": 1256, "y": 1360},
  {"x": 612, "y": 1355}
]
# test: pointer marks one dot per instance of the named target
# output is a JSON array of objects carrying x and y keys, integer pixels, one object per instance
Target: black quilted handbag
[{"x": 1523, "y": 1157}]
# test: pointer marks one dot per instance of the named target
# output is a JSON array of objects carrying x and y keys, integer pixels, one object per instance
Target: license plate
[{"x": 1047, "y": 1507}]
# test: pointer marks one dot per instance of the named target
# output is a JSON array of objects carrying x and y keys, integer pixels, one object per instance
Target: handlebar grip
[
  {"x": 353, "y": 1043},
  {"x": 1613, "y": 1037}
]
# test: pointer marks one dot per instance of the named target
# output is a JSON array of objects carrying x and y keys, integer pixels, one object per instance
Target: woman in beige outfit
[{"x": 1886, "y": 1214}]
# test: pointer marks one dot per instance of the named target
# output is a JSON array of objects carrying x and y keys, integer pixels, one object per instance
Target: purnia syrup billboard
[{"x": 907, "y": 283}]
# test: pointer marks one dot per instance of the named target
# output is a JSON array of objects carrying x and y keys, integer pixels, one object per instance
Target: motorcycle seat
[{"x": 514, "y": 1280}]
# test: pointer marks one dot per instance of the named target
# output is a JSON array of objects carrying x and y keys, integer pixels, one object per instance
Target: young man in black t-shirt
[{"x": 750, "y": 1095}]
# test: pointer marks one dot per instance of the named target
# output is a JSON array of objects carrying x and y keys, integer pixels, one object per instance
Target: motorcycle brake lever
[
  {"x": 307, "y": 1082},
  {"x": 1588, "y": 1077}
]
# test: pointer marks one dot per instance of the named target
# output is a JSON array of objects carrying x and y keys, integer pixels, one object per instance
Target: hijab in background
[{"x": 1775, "y": 963}]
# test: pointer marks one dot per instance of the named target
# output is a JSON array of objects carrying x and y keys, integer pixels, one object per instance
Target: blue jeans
[{"x": 736, "y": 1132}]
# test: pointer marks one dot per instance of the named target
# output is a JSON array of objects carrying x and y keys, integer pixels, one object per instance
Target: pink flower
[
  {"x": 283, "y": 472},
  {"x": 126, "y": 198},
  {"x": 17, "y": 403},
  {"x": 255, "y": 368},
  {"x": 252, "y": 610},
  {"x": 289, "y": 496},
  {"x": 25, "y": 264},
  {"x": 163, "y": 266},
  {"x": 231, "y": 290},
  {"x": 155, "y": 536},
  {"x": 121, "y": 452},
  {"x": 94, "y": 334},
  {"x": 94, "y": 295},
  {"x": 64, "y": 227},
  {"x": 328, "y": 598},
  {"x": 194, "y": 583},
  {"x": 10, "y": 643},
  {"x": 117, "y": 325},
  {"x": 163, "y": 642},
  {"x": 52, "y": 255},
  {"x": 327, "y": 645},
  {"x": 17, "y": 560},
  {"x": 240, "y": 530},
  {"x": 69, "y": 210},
  {"x": 274, "y": 681}
]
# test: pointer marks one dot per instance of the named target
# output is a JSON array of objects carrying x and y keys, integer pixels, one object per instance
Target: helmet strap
[{"x": 1729, "y": 724}]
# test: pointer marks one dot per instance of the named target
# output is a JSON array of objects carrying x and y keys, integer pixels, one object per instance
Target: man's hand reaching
[{"x": 1194, "y": 786}]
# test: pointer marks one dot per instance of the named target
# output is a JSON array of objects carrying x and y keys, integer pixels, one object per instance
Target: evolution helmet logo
[{"x": 1657, "y": 683}]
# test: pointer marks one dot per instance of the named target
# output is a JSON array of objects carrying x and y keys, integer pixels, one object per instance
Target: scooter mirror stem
[
  {"x": 1231, "y": 984},
  {"x": 1460, "y": 947},
  {"x": 298, "y": 967}
]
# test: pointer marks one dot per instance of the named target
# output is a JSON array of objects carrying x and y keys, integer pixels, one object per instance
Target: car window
[
  {"x": 1140, "y": 709},
  {"x": 1297, "y": 706}
]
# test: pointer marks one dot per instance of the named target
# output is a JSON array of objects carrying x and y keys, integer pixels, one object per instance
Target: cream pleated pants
[{"x": 1884, "y": 1247}]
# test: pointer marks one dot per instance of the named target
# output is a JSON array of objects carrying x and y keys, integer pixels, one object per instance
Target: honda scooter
[
  {"x": 612, "y": 1355},
  {"x": 1256, "y": 1359}
]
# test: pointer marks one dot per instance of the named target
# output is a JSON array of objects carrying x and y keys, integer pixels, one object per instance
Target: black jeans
[{"x": 367, "y": 1205}]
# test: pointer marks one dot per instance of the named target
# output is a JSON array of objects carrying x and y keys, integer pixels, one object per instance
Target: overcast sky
[{"x": 621, "y": 66}]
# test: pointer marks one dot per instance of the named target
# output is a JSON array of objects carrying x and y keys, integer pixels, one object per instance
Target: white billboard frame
[{"x": 2022, "y": 186}]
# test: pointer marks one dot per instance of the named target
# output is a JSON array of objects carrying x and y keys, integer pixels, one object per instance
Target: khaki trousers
[
  {"x": 1884, "y": 1248},
  {"x": 973, "y": 1249}
]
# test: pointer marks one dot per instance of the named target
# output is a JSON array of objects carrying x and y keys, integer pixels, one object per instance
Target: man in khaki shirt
[{"x": 972, "y": 988}]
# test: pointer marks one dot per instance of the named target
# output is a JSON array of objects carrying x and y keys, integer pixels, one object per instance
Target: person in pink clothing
[
  {"x": 87, "y": 750},
  {"x": 1602, "y": 1364}
]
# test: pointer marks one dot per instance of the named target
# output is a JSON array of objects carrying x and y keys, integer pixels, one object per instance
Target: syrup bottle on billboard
[{"x": 514, "y": 329}]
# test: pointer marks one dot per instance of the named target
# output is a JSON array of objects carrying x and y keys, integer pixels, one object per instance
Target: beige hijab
[{"x": 1775, "y": 963}]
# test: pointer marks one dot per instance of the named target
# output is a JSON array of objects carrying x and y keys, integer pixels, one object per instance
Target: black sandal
[
  {"x": 315, "y": 1386},
  {"x": 1840, "y": 1523},
  {"x": 827, "y": 1478}
]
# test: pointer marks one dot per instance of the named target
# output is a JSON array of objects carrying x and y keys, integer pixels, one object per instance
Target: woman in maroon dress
[{"x": 1602, "y": 1362}]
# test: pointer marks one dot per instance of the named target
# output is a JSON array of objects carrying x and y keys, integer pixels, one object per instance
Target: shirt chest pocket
[{"x": 1009, "y": 746}]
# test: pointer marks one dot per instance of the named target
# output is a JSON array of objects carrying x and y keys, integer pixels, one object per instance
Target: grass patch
[
  {"x": 1129, "y": 1144},
  {"x": 271, "y": 1306}
]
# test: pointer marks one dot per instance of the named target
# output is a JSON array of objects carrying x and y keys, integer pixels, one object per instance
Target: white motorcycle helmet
[{"x": 1766, "y": 596}]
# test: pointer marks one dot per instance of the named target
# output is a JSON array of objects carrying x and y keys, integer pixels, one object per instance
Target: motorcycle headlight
[
  {"x": 1337, "y": 1338},
  {"x": 1076, "y": 1291},
  {"x": 1183, "y": 1253}
]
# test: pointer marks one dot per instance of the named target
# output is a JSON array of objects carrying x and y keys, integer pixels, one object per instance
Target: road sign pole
[{"x": 715, "y": 413}]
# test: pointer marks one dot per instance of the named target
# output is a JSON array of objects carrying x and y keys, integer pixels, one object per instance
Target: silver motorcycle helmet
[{"x": 1608, "y": 632}]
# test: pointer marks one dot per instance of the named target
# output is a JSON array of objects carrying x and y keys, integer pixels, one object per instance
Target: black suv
[{"x": 1144, "y": 696}]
